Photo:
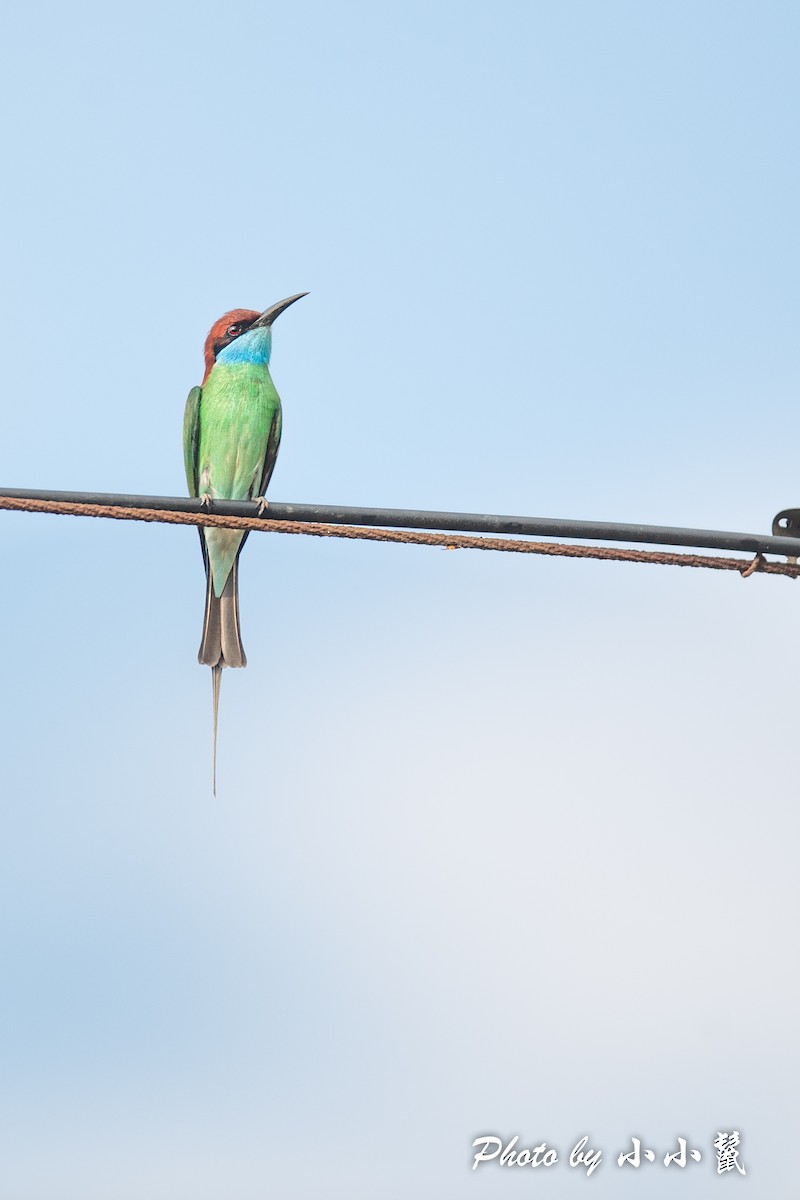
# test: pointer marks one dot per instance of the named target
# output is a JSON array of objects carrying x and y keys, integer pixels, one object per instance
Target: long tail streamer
[{"x": 216, "y": 679}]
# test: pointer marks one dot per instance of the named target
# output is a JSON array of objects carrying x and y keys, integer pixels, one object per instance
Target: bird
[{"x": 231, "y": 434}]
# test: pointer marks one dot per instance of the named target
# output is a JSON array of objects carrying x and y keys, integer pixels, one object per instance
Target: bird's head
[{"x": 253, "y": 328}]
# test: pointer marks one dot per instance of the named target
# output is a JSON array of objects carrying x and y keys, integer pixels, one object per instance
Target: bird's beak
[{"x": 267, "y": 317}]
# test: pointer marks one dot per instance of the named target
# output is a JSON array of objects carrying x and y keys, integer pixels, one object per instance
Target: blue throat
[{"x": 255, "y": 347}]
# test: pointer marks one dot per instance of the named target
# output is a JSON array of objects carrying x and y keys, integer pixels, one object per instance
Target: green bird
[{"x": 231, "y": 435}]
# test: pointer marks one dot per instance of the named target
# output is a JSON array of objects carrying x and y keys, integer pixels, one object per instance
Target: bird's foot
[
  {"x": 263, "y": 505},
  {"x": 205, "y": 500}
]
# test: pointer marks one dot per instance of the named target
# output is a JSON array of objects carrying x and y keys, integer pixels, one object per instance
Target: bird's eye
[{"x": 233, "y": 330}]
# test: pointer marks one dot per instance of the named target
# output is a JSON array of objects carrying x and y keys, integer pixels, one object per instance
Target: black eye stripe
[{"x": 227, "y": 337}]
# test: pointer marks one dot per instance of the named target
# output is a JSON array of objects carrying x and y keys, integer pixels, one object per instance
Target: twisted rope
[{"x": 450, "y": 541}]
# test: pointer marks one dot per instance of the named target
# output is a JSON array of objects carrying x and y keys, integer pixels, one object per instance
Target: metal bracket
[{"x": 787, "y": 523}]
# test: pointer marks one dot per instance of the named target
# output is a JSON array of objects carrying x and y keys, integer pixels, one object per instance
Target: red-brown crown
[{"x": 224, "y": 331}]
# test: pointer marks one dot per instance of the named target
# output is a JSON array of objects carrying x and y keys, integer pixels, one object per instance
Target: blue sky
[{"x": 501, "y": 844}]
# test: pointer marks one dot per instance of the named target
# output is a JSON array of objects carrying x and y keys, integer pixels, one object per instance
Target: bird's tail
[{"x": 221, "y": 643}]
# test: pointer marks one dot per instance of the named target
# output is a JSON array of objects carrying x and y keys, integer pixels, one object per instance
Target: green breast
[{"x": 238, "y": 407}]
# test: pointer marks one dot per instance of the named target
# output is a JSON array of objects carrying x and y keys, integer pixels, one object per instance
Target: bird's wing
[
  {"x": 273, "y": 442},
  {"x": 191, "y": 438}
]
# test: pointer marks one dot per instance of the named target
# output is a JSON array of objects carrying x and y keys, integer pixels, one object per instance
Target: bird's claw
[
  {"x": 205, "y": 500},
  {"x": 263, "y": 505}
]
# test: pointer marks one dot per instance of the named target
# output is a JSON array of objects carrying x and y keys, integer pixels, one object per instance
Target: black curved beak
[{"x": 269, "y": 315}]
